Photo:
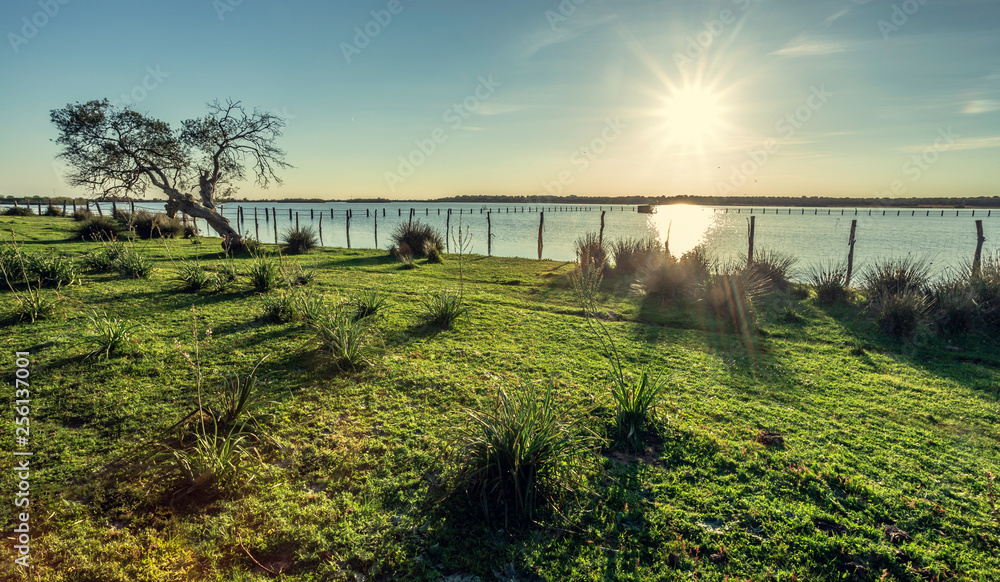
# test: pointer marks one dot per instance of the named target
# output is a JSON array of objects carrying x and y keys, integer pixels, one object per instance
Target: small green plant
[
  {"x": 434, "y": 255},
  {"x": 444, "y": 308},
  {"x": 263, "y": 272},
  {"x": 226, "y": 276},
  {"x": 53, "y": 211},
  {"x": 368, "y": 302},
  {"x": 900, "y": 314},
  {"x": 213, "y": 458},
  {"x": 133, "y": 264},
  {"x": 280, "y": 307},
  {"x": 405, "y": 257},
  {"x": 81, "y": 214},
  {"x": 308, "y": 307},
  {"x": 239, "y": 401},
  {"x": 517, "y": 456},
  {"x": 33, "y": 305},
  {"x": 342, "y": 339},
  {"x": 299, "y": 241},
  {"x": 830, "y": 283},
  {"x": 18, "y": 211},
  {"x": 105, "y": 259},
  {"x": 52, "y": 270},
  {"x": 108, "y": 336},
  {"x": 193, "y": 277},
  {"x": 416, "y": 239},
  {"x": 297, "y": 276}
]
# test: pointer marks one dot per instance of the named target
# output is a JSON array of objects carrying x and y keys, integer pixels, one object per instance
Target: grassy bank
[{"x": 883, "y": 470}]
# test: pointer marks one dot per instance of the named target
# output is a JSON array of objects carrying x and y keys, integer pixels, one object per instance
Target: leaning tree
[{"x": 116, "y": 151}]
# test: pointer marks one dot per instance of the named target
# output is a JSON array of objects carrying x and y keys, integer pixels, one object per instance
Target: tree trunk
[{"x": 185, "y": 203}]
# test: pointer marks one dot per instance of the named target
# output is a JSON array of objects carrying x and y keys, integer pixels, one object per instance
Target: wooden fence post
[
  {"x": 753, "y": 220},
  {"x": 489, "y": 236},
  {"x": 376, "y": 229},
  {"x": 541, "y": 223},
  {"x": 321, "y": 229},
  {"x": 447, "y": 232},
  {"x": 275, "y": 228},
  {"x": 850, "y": 254},
  {"x": 980, "y": 239},
  {"x": 601, "y": 236},
  {"x": 256, "y": 223},
  {"x": 296, "y": 221},
  {"x": 348, "y": 228}
]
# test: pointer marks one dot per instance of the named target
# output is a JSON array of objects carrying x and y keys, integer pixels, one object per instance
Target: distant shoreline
[{"x": 751, "y": 201}]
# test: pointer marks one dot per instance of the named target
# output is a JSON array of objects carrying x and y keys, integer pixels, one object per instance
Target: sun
[{"x": 692, "y": 115}]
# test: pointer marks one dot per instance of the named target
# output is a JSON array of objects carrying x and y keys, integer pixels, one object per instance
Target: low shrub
[
  {"x": 299, "y": 241},
  {"x": 147, "y": 225},
  {"x": 53, "y": 211},
  {"x": 517, "y": 456},
  {"x": 416, "y": 239},
  {"x": 226, "y": 276},
  {"x": 730, "y": 296},
  {"x": 434, "y": 255},
  {"x": 900, "y": 314},
  {"x": 18, "y": 211},
  {"x": 99, "y": 228},
  {"x": 679, "y": 281},
  {"x": 985, "y": 285},
  {"x": 81, "y": 214},
  {"x": 889, "y": 277},
  {"x": 830, "y": 283},
  {"x": 444, "y": 308},
  {"x": 33, "y": 305}
]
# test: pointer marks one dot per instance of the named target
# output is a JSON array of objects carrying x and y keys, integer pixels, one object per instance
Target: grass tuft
[
  {"x": 444, "y": 308},
  {"x": 299, "y": 241},
  {"x": 416, "y": 239}
]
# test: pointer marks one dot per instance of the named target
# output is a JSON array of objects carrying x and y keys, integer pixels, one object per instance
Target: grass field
[{"x": 883, "y": 470}]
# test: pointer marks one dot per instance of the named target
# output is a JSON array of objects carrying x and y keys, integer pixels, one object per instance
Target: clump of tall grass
[
  {"x": 107, "y": 335},
  {"x": 340, "y": 337},
  {"x": 147, "y": 225},
  {"x": 830, "y": 283},
  {"x": 105, "y": 259},
  {"x": 635, "y": 256},
  {"x": 416, "y": 238},
  {"x": 368, "y": 302},
  {"x": 279, "y": 307},
  {"x": 18, "y": 211},
  {"x": 193, "y": 277},
  {"x": 297, "y": 276},
  {"x": 730, "y": 294},
  {"x": 81, "y": 214},
  {"x": 444, "y": 308},
  {"x": 134, "y": 264},
  {"x": 264, "y": 272},
  {"x": 677, "y": 281},
  {"x": 434, "y": 256},
  {"x": 901, "y": 313},
  {"x": 954, "y": 306},
  {"x": 775, "y": 268},
  {"x": 517, "y": 456},
  {"x": 52, "y": 270},
  {"x": 226, "y": 275},
  {"x": 895, "y": 276},
  {"x": 591, "y": 251},
  {"x": 985, "y": 285},
  {"x": 300, "y": 240},
  {"x": 308, "y": 307},
  {"x": 98, "y": 228},
  {"x": 33, "y": 305},
  {"x": 53, "y": 211}
]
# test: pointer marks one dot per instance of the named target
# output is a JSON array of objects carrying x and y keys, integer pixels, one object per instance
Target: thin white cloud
[
  {"x": 495, "y": 108},
  {"x": 802, "y": 46},
  {"x": 971, "y": 143},
  {"x": 981, "y": 106},
  {"x": 576, "y": 25}
]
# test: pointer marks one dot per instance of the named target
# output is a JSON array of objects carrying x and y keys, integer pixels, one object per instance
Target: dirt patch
[{"x": 770, "y": 439}]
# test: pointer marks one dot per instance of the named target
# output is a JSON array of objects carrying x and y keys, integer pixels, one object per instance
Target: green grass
[{"x": 360, "y": 477}]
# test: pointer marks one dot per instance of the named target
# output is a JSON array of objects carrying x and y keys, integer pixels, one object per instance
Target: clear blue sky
[{"x": 626, "y": 97}]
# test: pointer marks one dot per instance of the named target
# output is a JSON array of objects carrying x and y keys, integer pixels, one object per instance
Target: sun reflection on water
[{"x": 688, "y": 225}]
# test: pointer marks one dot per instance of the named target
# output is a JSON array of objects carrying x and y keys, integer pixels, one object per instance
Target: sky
[{"x": 418, "y": 99}]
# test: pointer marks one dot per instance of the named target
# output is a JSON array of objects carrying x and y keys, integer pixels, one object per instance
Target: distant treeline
[{"x": 810, "y": 201}]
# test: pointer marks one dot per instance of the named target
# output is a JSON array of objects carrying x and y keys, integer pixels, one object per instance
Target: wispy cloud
[
  {"x": 577, "y": 25},
  {"x": 971, "y": 143},
  {"x": 803, "y": 46},
  {"x": 981, "y": 106},
  {"x": 491, "y": 108}
]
